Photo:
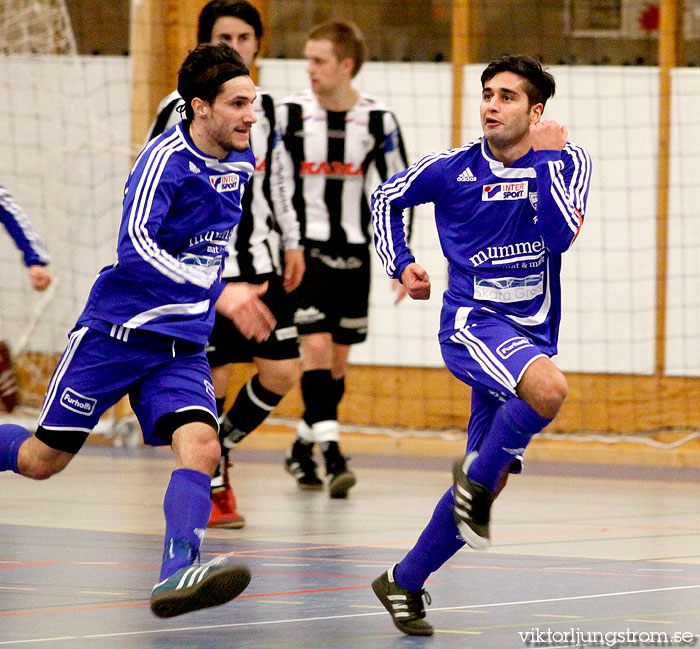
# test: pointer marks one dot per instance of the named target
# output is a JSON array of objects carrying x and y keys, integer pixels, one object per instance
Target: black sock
[
  {"x": 338, "y": 391},
  {"x": 320, "y": 396},
  {"x": 251, "y": 407}
]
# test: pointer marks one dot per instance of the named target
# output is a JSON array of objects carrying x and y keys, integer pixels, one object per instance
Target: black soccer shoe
[
  {"x": 406, "y": 608},
  {"x": 472, "y": 508},
  {"x": 340, "y": 478},
  {"x": 301, "y": 466}
]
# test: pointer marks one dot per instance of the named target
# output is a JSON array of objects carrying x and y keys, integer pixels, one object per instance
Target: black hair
[
  {"x": 215, "y": 9},
  {"x": 539, "y": 86},
  {"x": 205, "y": 69}
]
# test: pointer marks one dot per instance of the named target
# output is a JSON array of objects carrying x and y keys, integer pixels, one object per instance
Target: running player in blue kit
[
  {"x": 507, "y": 205},
  {"x": 147, "y": 319}
]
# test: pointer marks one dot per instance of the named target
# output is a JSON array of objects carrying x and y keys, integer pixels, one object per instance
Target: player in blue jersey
[
  {"x": 36, "y": 259},
  {"x": 148, "y": 317},
  {"x": 267, "y": 204},
  {"x": 507, "y": 205}
]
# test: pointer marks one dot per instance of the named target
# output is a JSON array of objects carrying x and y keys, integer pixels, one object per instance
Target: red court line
[{"x": 30, "y": 564}]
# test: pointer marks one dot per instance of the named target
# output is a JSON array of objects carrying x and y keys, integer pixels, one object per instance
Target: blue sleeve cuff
[
  {"x": 547, "y": 155},
  {"x": 401, "y": 266}
]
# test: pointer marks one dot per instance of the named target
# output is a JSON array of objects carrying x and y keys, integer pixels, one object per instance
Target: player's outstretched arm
[
  {"x": 241, "y": 303},
  {"x": 417, "y": 281}
]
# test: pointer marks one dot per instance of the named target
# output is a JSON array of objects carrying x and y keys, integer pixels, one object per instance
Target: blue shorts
[
  {"x": 168, "y": 382},
  {"x": 490, "y": 356},
  {"x": 486, "y": 353}
]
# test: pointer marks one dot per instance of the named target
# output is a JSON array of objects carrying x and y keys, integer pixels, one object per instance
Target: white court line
[{"x": 319, "y": 618}]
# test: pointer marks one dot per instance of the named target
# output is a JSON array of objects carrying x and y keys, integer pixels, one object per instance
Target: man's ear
[
  {"x": 348, "y": 65},
  {"x": 200, "y": 107},
  {"x": 536, "y": 113}
]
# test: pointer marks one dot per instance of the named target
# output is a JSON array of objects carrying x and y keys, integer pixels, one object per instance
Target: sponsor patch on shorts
[
  {"x": 512, "y": 345},
  {"x": 76, "y": 402}
]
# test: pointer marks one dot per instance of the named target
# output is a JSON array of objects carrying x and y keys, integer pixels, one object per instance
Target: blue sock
[
  {"x": 12, "y": 437},
  {"x": 187, "y": 507},
  {"x": 439, "y": 541},
  {"x": 512, "y": 428}
]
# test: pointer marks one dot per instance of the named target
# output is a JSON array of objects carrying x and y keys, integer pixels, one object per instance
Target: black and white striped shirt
[
  {"x": 267, "y": 199},
  {"x": 332, "y": 153}
]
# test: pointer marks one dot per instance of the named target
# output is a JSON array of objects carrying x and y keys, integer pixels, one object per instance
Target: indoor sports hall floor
[{"x": 584, "y": 552}]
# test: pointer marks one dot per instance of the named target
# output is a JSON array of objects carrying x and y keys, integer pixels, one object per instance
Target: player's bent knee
[
  {"x": 283, "y": 379},
  {"x": 551, "y": 396},
  {"x": 210, "y": 453},
  {"x": 317, "y": 350},
  {"x": 38, "y": 461},
  {"x": 197, "y": 447},
  {"x": 40, "y": 471}
]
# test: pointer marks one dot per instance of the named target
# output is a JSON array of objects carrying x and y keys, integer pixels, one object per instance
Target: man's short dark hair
[
  {"x": 215, "y": 9},
  {"x": 206, "y": 68},
  {"x": 347, "y": 39},
  {"x": 539, "y": 86}
]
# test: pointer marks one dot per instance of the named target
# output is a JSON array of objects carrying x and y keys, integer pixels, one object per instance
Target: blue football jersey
[
  {"x": 180, "y": 209},
  {"x": 502, "y": 229}
]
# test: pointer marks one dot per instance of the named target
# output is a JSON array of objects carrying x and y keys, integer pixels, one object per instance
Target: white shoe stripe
[
  {"x": 185, "y": 577},
  {"x": 471, "y": 538}
]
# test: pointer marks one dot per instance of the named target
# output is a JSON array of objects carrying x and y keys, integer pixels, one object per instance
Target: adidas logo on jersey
[
  {"x": 194, "y": 168},
  {"x": 466, "y": 176}
]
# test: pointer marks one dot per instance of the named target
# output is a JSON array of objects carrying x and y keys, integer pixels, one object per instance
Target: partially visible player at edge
[
  {"x": 507, "y": 205},
  {"x": 149, "y": 315},
  {"x": 36, "y": 259},
  {"x": 237, "y": 23},
  {"x": 335, "y": 135}
]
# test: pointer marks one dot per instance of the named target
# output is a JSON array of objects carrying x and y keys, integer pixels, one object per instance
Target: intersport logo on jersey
[
  {"x": 225, "y": 182},
  {"x": 505, "y": 191}
]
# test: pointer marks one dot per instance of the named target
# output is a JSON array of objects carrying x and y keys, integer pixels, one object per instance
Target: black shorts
[
  {"x": 333, "y": 297},
  {"x": 228, "y": 345}
]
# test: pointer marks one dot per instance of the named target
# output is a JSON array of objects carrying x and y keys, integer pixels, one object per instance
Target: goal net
[{"x": 63, "y": 158}]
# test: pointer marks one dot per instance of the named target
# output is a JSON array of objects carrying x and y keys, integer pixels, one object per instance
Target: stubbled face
[
  {"x": 228, "y": 119},
  {"x": 326, "y": 72},
  {"x": 237, "y": 34},
  {"x": 504, "y": 110}
]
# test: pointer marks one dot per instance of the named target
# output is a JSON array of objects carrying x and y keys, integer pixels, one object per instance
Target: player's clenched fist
[
  {"x": 241, "y": 303},
  {"x": 548, "y": 136},
  {"x": 417, "y": 281}
]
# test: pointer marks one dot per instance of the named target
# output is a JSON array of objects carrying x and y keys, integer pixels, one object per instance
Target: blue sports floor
[{"x": 582, "y": 555}]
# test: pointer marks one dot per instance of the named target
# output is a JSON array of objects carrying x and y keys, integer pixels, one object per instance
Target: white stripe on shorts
[
  {"x": 488, "y": 362},
  {"x": 73, "y": 343}
]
